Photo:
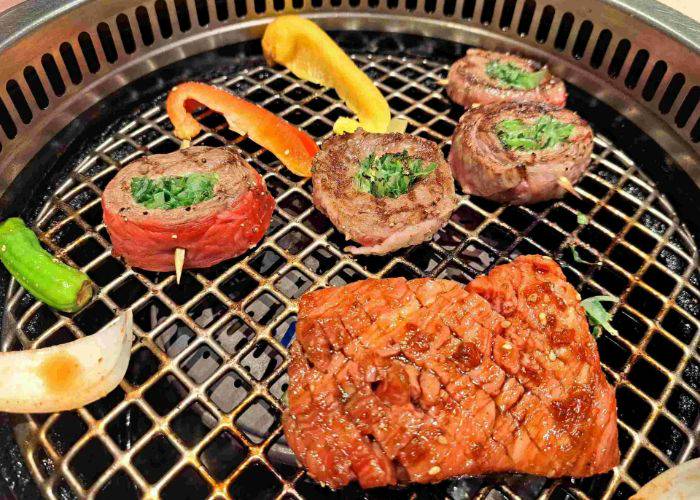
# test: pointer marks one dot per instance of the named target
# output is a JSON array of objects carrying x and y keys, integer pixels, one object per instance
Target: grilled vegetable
[
  {"x": 69, "y": 375},
  {"x": 309, "y": 53},
  {"x": 45, "y": 277},
  {"x": 597, "y": 315},
  {"x": 293, "y": 147}
]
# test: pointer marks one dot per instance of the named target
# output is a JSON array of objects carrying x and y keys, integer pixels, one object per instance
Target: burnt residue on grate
[{"x": 200, "y": 406}]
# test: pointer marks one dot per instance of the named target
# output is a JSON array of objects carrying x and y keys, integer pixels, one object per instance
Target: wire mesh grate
[{"x": 199, "y": 407}]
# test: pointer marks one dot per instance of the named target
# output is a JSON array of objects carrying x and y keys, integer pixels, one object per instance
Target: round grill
[{"x": 198, "y": 412}]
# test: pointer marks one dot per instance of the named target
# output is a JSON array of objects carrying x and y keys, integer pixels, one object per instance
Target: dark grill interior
[{"x": 199, "y": 409}]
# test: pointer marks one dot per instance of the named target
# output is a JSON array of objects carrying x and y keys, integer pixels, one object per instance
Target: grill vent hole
[
  {"x": 71, "y": 63},
  {"x": 601, "y": 47},
  {"x": 278, "y": 5},
  {"x": 429, "y": 5},
  {"x": 507, "y": 14},
  {"x": 88, "y": 50},
  {"x": 36, "y": 87},
  {"x": 107, "y": 42},
  {"x": 619, "y": 57},
  {"x": 163, "y": 16},
  {"x": 689, "y": 104},
  {"x": 202, "y": 12},
  {"x": 241, "y": 8},
  {"x": 638, "y": 65},
  {"x": 545, "y": 24},
  {"x": 448, "y": 8},
  {"x": 221, "y": 9},
  {"x": 657, "y": 74},
  {"x": 487, "y": 11},
  {"x": 298, "y": 4},
  {"x": 260, "y": 6},
  {"x": 6, "y": 122},
  {"x": 126, "y": 34},
  {"x": 467, "y": 9},
  {"x": 695, "y": 133},
  {"x": 183, "y": 15},
  {"x": 144, "y": 23},
  {"x": 671, "y": 93},
  {"x": 52, "y": 73},
  {"x": 584, "y": 34},
  {"x": 20, "y": 102},
  {"x": 526, "y": 17},
  {"x": 567, "y": 21}
]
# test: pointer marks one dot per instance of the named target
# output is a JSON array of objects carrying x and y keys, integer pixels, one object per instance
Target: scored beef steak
[
  {"x": 395, "y": 381},
  {"x": 468, "y": 82},
  {"x": 485, "y": 167},
  {"x": 381, "y": 225}
]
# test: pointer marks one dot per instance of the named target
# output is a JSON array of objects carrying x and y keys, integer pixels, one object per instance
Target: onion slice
[
  {"x": 681, "y": 481},
  {"x": 69, "y": 375}
]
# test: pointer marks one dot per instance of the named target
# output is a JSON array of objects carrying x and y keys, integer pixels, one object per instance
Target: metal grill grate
[{"x": 199, "y": 408}]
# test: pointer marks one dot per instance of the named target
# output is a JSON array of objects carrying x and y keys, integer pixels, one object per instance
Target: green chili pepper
[{"x": 45, "y": 277}]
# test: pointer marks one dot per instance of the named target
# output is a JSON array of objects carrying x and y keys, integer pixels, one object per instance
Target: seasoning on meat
[
  {"x": 395, "y": 381},
  {"x": 485, "y": 77},
  {"x": 385, "y": 191},
  {"x": 207, "y": 201},
  {"x": 520, "y": 153}
]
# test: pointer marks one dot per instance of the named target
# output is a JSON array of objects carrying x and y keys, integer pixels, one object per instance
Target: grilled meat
[
  {"x": 469, "y": 81},
  {"x": 485, "y": 166},
  {"x": 381, "y": 224},
  {"x": 219, "y": 228},
  {"x": 395, "y": 381}
]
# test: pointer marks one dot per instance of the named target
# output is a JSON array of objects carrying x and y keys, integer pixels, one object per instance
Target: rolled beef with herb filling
[
  {"x": 208, "y": 201},
  {"x": 384, "y": 191},
  {"x": 485, "y": 77},
  {"x": 520, "y": 153}
]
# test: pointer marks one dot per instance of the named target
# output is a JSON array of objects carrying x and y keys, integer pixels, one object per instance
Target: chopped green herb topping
[
  {"x": 597, "y": 315},
  {"x": 512, "y": 76},
  {"x": 545, "y": 133},
  {"x": 581, "y": 219},
  {"x": 170, "y": 191},
  {"x": 577, "y": 257},
  {"x": 391, "y": 174}
]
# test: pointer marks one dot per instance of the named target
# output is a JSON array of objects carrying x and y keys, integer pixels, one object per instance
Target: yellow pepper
[{"x": 309, "y": 53}]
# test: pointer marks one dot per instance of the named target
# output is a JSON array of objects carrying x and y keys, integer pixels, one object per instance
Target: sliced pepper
[
  {"x": 294, "y": 148},
  {"x": 309, "y": 53}
]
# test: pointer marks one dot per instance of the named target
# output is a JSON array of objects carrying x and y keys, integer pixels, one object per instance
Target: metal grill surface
[{"x": 198, "y": 411}]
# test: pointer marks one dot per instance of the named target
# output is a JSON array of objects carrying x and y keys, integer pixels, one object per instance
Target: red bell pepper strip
[{"x": 294, "y": 148}]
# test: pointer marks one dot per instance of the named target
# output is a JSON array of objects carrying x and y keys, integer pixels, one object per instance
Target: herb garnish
[
  {"x": 171, "y": 191},
  {"x": 545, "y": 133},
  {"x": 512, "y": 76},
  {"x": 391, "y": 174},
  {"x": 581, "y": 219},
  {"x": 577, "y": 257},
  {"x": 597, "y": 315}
]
